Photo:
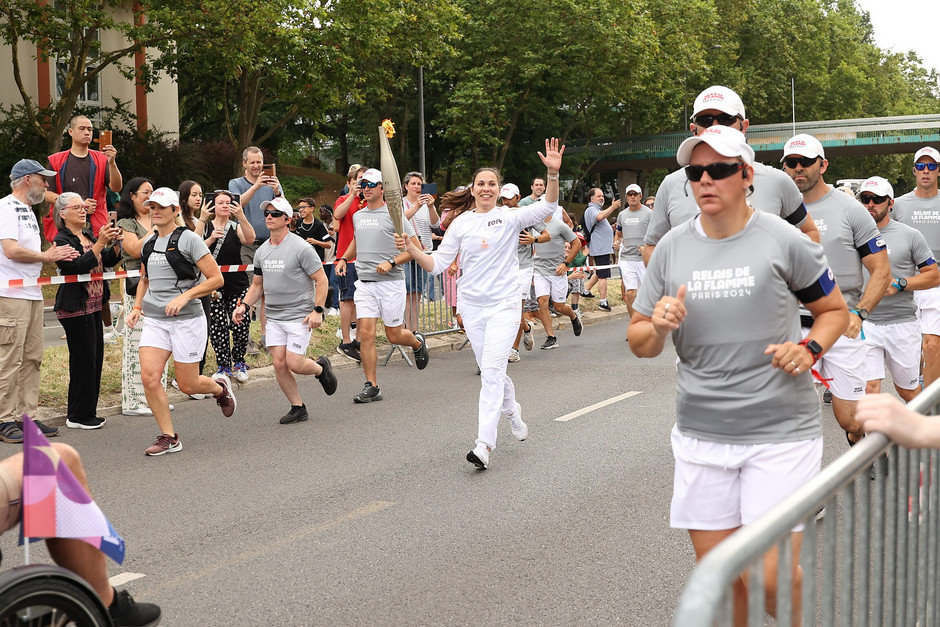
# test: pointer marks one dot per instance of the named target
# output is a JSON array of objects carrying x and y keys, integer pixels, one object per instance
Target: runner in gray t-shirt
[
  {"x": 551, "y": 277},
  {"x": 380, "y": 290},
  {"x": 892, "y": 332},
  {"x": 287, "y": 270},
  {"x": 164, "y": 285}
]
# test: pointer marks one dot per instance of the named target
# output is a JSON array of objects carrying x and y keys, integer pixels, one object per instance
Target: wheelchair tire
[{"x": 47, "y": 596}]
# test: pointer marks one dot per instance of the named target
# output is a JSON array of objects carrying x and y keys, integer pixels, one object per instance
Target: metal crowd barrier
[{"x": 871, "y": 561}]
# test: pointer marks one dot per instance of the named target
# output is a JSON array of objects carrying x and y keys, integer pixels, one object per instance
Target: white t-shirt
[
  {"x": 488, "y": 245},
  {"x": 18, "y": 222}
]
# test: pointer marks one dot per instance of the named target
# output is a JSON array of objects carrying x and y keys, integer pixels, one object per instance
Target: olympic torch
[{"x": 391, "y": 182}]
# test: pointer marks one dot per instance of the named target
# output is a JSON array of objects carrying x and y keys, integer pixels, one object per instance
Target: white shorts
[
  {"x": 185, "y": 338},
  {"x": 632, "y": 273},
  {"x": 381, "y": 299},
  {"x": 899, "y": 345},
  {"x": 928, "y": 310},
  {"x": 844, "y": 363},
  {"x": 295, "y": 336},
  {"x": 723, "y": 486},
  {"x": 525, "y": 283},
  {"x": 555, "y": 287}
]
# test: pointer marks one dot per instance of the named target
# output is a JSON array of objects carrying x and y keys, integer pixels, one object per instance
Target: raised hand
[{"x": 552, "y": 156}]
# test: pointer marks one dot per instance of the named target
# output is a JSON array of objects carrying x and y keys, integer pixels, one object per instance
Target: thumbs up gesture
[{"x": 669, "y": 312}]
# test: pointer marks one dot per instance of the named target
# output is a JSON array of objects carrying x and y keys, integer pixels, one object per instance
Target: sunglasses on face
[
  {"x": 867, "y": 198},
  {"x": 930, "y": 166},
  {"x": 792, "y": 162},
  {"x": 707, "y": 119},
  {"x": 274, "y": 213},
  {"x": 368, "y": 184},
  {"x": 716, "y": 171}
]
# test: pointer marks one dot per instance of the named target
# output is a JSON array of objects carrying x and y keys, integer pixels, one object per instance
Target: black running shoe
[
  {"x": 550, "y": 343},
  {"x": 349, "y": 350},
  {"x": 296, "y": 414},
  {"x": 421, "y": 353},
  {"x": 576, "y": 325},
  {"x": 368, "y": 394},
  {"x": 603, "y": 305},
  {"x": 326, "y": 378},
  {"x": 125, "y": 612}
]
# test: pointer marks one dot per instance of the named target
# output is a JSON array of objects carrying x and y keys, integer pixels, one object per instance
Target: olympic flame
[{"x": 389, "y": 127}]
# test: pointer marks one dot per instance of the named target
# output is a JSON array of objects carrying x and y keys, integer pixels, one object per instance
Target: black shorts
[{"x": 602, "y": 260}]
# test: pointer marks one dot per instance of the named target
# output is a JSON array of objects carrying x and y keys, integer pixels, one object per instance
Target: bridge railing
[{"x": 872, "y": 561}]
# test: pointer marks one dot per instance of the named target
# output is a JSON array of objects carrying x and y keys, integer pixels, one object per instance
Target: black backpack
[
  {"x": 184, "y": 269},
  {"x": 586, "y": 229}
]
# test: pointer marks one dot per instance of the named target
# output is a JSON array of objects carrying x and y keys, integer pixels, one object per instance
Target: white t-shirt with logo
[{"x": 18, "y": 222}]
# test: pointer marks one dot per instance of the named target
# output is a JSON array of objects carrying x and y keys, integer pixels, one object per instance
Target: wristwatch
[
  {"x": 318, "y": 309},
  {"x": 392, "y": 262},
  {"x": 813, "y": 347},
  {"x": 861, "y": 313},
  {"x": 902, "y": 284}
]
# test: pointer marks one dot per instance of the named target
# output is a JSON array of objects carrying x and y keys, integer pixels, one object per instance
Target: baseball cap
[
  {"x": 278, "y": 204},
  {"x": 877, "y": 186},
  {"x": 927, "y": 151},
  {"x": 165, "y": 197},
  {"x": 726, "y": 141},
  {"x": 633, "y": 187},
  {"x": 25, "y": 167},
  {"x": 803, "y": 145},
  {"x": 720, "y": 98},
  {"x": 372, "y": 175},
  {"x": 509, "y": 190}
]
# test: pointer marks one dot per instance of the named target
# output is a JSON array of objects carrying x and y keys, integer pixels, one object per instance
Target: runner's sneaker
[
  {"x": 527, "y": 340},
  {"x": 349, "y": 350},
  {"x": 326, "y": 378},
  {"x": 47, "y": 430},
  {"x": 9, "y": 432},
  {"x": 368, "y": 394},
  {"x": 587, "y": 295},
  {"x": 297, "y": 413},
  {"x": 93, "y": 422},
  {"x": 550, "y": 342},
  {"x": 226, "y": 400},
  {"x": 165, "y": 444},
  {"x": 252, "y": 348},
  {"x": 125, "y": 612},
  {"x": 603, "y": 305},
  {"x": 576, "y": 325},
  {"x": 421, "y": 353},
  {"x": 241, "y": 371},
  {"x": 479, "y": 456},
  {"x": 518, "y": 428},
  {"x": 140, "y": 411},
  {"x": 514, "y": 355}
]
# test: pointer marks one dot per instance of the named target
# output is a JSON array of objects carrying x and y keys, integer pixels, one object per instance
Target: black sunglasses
[
  {"x": 716, "y": 171},
  {"x": 930, "y": 166},
  {"x": 867, "y": 198},
  {"x": 367, "y": 184},
  {"x": 274, "y": 213},
  {"x": 791, "y": 162},
  {"x": 707, "y": 119}
]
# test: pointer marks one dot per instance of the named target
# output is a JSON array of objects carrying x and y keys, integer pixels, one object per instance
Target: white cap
[
  {"x": 727, "y": 141},
  {"x": 633, "y": 187},
  {"x": 877, "y": 186},
  {"x": 372, "y": 175},
  {"x": 278, "y": 204},
  {"x": 927, "y": 151},
  {"x": 720, "y": 98},
  {"x": 803, "y": 145},
  {"x": 165, "y": 197},
  {"x": 509, "y": 190}
]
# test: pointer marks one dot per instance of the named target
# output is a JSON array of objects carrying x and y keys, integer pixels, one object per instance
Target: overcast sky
[{"x": 903, "y": 25}]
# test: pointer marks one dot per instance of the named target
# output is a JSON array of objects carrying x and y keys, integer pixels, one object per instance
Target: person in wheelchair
[{"x": 72, "y": 554}]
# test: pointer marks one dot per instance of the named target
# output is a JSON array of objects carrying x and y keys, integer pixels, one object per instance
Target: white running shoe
[
  {"x": 527, "y": 340},
  {"x": 479, "y": 456},
  {"x": 110, "y": 337},
  {"x": 140, "y": 411},
  {"x": 519, "y": 429},
  {"x": 514, "y": 355}
]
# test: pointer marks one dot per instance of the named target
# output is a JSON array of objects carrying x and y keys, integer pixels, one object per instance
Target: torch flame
[{"x": 389, "y": 127}]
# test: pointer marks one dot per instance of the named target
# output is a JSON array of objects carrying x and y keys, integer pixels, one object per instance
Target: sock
[{"x": 574, "y": 306}]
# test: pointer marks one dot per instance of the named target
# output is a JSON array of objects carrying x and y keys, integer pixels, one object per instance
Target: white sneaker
[
  {"x": 513, "y": 355},
  {"x": 332, "y": 311},
  {"x": 518, "y": 428},
  {"x": 479, "y": 456},
  {"x": 140, "y": 411},
  {"x": 110, "y": 337},
  {"x": 527, "y": 340}
]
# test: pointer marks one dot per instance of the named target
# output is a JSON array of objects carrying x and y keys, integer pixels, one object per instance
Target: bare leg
[
  {"x": 152, "y": 362},
  {"x": 191, "y": 382},
  {"x": 931, "y": 359},
  {"x": 347, "y": 313},
  {"x": 545, "y": 317},
  {"x": 365, "y": 332},
  {"x": 844, "y": 412}
]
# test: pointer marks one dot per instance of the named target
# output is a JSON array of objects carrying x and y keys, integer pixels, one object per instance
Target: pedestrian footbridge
[{"x": 841, "y": 138}]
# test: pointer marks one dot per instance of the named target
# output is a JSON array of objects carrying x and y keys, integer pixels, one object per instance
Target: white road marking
[
  {"x": 587, "y": 410},
  {"x": 122, "y": 578}
]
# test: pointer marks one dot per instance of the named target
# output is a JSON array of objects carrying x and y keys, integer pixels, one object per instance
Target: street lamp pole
[{"x": 421, "y": 164}]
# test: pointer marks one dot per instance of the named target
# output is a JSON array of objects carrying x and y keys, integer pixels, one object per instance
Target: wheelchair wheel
[{"x": 46, "y": 596}]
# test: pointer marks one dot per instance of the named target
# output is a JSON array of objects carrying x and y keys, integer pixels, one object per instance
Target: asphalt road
[{"x": 369, "y": 514}]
